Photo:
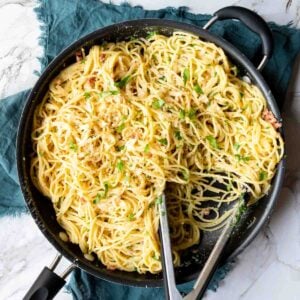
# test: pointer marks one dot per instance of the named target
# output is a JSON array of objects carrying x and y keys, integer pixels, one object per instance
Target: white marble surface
[{"x": 268, "y": 269}]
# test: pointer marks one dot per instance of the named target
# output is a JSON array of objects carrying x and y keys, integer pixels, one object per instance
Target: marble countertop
[{"x": 268, "y": 269}]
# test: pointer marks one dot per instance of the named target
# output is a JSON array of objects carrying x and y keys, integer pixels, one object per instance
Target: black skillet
[{"x": 48, "y": 283}]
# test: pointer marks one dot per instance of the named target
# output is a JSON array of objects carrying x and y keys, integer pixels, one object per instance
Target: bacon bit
[
  {"x": 82, "y": 199},
  {"x": 78, "y": 55},
  {"x": 112, "y": 268},
  {"x": 92, "y": 81},
  {"x": 206, "y": 211},
  {"x": 102, "y": 57},
  {"x": 268, "y": 116}
]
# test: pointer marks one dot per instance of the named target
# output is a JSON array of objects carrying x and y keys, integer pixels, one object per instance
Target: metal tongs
[{"x": 210, "y": 266}]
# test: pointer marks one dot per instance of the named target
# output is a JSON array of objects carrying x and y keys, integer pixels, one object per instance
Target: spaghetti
[{"x": 134, "y": 119}]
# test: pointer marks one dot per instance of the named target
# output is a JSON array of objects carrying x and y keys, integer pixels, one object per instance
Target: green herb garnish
[
  {"x": 159, "y": 200},
  {"x": 109, "y": 93},
  {"x": 106, "y": 186},
  {"x": 229, "y": 186},
  {"x": 131, "y": 217},
  {"x": 151, "y": 34},
  {"x": 263, "y": 175},
  {"x": 115, "y": 92},
  {"x": 236, "y": 146},
  {"x": 242, "y": 158},
  {"x": 198, "y": 89},
  {"x": 185, "y": 175},
  {"x": 178, "y": 135},
  {"x": 241, "y": 94},
  {"x": 182, "y": 114},
  {"x": 241, "y": 209},
  {"x": 158, "y": 103},
  {"x": 73, "y": 146},
  {"x": 97, "y": 199},
  {"x": 147, "y": 148},
  {"x": 120, "y": 128},
  {"x": 120, "y": 165},
  {"x": 120, "y": 148},
  {"x": 192, "y": 113},
  {"x": 186, "y": 76},
  {"x": 155, "y": 257},
  {"x": 102, "y": 194},
  {"x": 83, "y": 61},
  {"x": 87, "y": 95},
  {"x": 163, "y": 141},
  {"x": 212, "y": 141},
  {"x": 121, "y": 83}
]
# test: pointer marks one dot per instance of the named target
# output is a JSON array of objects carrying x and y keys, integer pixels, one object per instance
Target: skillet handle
[
  {"x": 253, "y": 21},
  {"x": 48, "y": 283}
]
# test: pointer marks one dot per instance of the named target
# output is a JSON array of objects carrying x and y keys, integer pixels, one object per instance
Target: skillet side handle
[
  {"x": 254, "y": 22},
  {"x": 46, "y": 286}
]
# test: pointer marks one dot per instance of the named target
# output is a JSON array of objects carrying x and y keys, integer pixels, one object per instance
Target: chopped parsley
[
  {"x": 192, "y": 113},
  {"x": 147, "y": 148},
  {"x": 241, "y": 209},
  {"x": 159, "y": 200},
  {"x": 109, "y": 93},
  {"x": 263, "y": 175},
  {"x": 229, "y": 186},
  {"x": 186, "y": 75},
  {"x": 105, "y": 188},
  {"x": 242, "y": 158},
  {"x": 241, "y": 94},
  {"x": 120, "y": 128},
  {"x": 131, "y": 217},
  {"x": 212, "y": 141},
  {"x": 163, "y": 141},
  {"x": 121, "y": 83},
  {"x": 184, "y": 175},
  {"x": 87, "y": 95},
  {"x": 151, "y": 34},
  {"x": 236, "y": 146},
  {"x": 158, "y": 103},
  {"x": 102, "y": 194},
  {"x": 115, "y": 92},
  {"x": 120, "y": 165},
  {"x": 155, "y": 257},
  {"x": 120, "y": 148},
  {"x": 178, "y": 135},
  {"x": 73, "y": 146},
  {"x": 97, "y": 199},
  {"x": 182, "y": 114},
  {"x": 198, "y": 89}
]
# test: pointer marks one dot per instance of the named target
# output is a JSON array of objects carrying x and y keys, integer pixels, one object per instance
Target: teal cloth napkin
[{"x": 64, "y": 21}]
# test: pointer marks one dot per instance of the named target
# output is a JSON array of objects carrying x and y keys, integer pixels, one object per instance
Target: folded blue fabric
[{"x": 64, "y": 21}]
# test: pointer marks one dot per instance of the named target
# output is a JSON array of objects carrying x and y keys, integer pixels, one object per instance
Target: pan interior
[{"x": 41, "y": 208}]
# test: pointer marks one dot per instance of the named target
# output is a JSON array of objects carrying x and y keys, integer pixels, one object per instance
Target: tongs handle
[{"x": 171, "y": 291}]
